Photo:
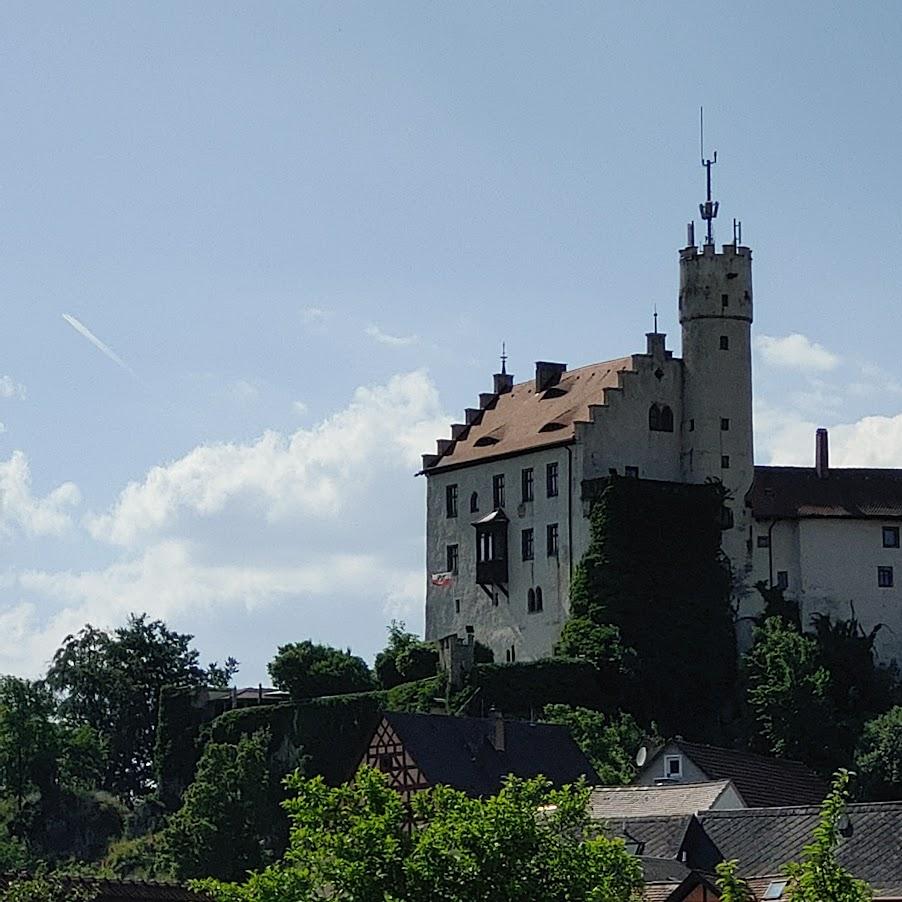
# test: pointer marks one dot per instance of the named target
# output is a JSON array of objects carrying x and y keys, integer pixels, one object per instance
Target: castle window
[
  {"x": 724, "y": 343},
  {"x": 724, "y": 424},
  {"x": 498, "y": 491},
  {"x": 452, "y": 558},
  {"x": 531, "y": 601},
  {"x": 885, "y": 577},
  {"x": 725, "y": 461},
  {"x": 527, "y": 544},
  {"x": 551, "y": 480},
  {"x": 724, "y": 300},
  {"x": 764, "y": 541},
  {"x": 631, "y": 472},
  {"x": 726, "y": 517},
  {"x": 456, "y": 605},
  {"x": 782, "y": 579},
  {"x": 660, "y": 418},
  {"x": 612, "y": 471},
  {"x": 692, "y": 425},
  {"x": 890, "y": 536},
  {"x": 538, "y": 599},
  {"x": 451, "y": 500},
  {"x": 526, "y": 483},
  {"x": 551, "y": 535},
  {"x": 474, "y": 503}
]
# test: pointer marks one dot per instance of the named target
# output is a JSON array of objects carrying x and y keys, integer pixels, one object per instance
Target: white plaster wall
[
  {"x": 654, "y": 769},
  {"x": 508, "y": 623}
]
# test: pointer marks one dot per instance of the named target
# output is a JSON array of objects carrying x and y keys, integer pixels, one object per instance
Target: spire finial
[
  {"x": 708, "y": 209},
  {"x": 656, "y": 318},
  {"x": 503, "y": 358}
]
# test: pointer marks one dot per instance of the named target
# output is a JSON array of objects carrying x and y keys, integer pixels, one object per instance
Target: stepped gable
[
  {"x": 460, "y": 752},
  {"x": 762, "y": 782},
  {"x": 643, "y": 801},
  {"x": 765, "y": 839},
  {"x": 520, "y": 419},
  {"x": 844, "y": 492}
]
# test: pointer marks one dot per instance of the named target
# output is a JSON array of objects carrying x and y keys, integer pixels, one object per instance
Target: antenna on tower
[
  {"x": 503, "y": 358},
  {"x": 709, "y": 208},
  {"x": 656, "y": 318}
]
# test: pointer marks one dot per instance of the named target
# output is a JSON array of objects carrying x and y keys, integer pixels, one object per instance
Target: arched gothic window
[
  {"x": 538, "y": 598},
  {"x": 660, "y": 418},
  {"x": 474, "y": 503},
  {"x": 530, "y": 601}
]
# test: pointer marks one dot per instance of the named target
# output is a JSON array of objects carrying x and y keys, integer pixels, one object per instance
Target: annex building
[{"x": 506, "y": 520}]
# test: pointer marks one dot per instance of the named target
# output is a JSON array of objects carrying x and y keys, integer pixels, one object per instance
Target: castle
[{"x": 505, "y": 518}]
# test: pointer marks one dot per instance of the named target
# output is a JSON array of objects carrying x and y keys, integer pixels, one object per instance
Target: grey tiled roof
[
  {"x": 762, "y": 782},
  {"x": 458, "y": 751},
  {"x": 655, "y": 801},
  {"x": 662, "y": 837},
  {"x": 765, "y": 839}
]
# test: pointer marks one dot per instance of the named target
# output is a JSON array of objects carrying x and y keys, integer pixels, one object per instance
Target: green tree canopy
[
  {"x": 878, "y": 759},
  {"x": 308, "y": 670},
  {"x": 111, "y": 682},
  {"x": 405, "y": 658},
  {"x": 730, "y": 885},
  {"x": 609, "y": 742},
  {"x": 226, "y": 824},
  {"x": 788, "y": 693},
  {"x": 357, "y": 842}
]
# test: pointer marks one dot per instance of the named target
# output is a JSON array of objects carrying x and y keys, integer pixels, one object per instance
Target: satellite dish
[{"x": 641, "y": 756}]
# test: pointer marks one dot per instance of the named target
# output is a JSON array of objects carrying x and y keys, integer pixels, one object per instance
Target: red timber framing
[{"x": 386, "y": 752}]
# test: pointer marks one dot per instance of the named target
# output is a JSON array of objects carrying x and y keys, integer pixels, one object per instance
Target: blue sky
[{"x": 305, "y": 229}]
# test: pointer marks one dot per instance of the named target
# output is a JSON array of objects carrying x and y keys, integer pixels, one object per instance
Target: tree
[
  {"x": 111, "y": 682},
  {"x": 358, "y": 841},
  {"x": 308, "y": 670},
  {"x": 878, "y": 759},
  {"x": 405, "y": 659},
  {"x": 226, "y": 823},
  {"x": 28, "y": 737},
  {"x": 599, "y": 643},
  {"x": 609, "y": 743},
  {"x": 731, "y": 886},
  {"x": 818, "y": 876},
  {"x": 787, "y": 691}
]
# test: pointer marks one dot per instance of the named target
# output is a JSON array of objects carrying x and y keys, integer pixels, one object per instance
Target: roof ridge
[
  {"x": 579, "y": 369},
  {"x": 758, "y": 755}
]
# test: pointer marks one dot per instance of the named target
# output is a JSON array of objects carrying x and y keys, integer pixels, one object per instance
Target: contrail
[{"x": 82, "y": 329}]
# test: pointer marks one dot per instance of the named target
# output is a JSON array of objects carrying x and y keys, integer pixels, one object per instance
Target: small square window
[
  {"x": 782, "y": 579},
  {"x": 673, "y": 766},
  {"x": 631, "y": 472},
  {"x": 890, "y": 536},
  {"x": 724, "y": 343},
  {"x": 724, "y": 424},
  {"x": 527, "y": 544},
  {"x": 450, "y": 500},
  {"x": 452, "y": 556},
  {"x": 551, "y": 480},
  {"x": 526, "y": 481},
  {"x": 724, "y": 300},
  {"x": 387, "y": 764},
  {"x": 764, "y": 541},
  {"x": 885, "y": 577},
  {"x": 725, "y": 461},
  {"x": 552, "y": 539}
]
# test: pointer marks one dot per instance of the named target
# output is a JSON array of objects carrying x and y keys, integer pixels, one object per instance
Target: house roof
[
  {"x": 795, "y": 492},
  {"x": 670, "y": 881},
  {"x": 762, "y": 782},
  {"x": 458, "y": 751},
  {"x": 122, "y": 890},
  {"x": 521, "y": 420},
  {"x": 765, "y": 839},
  {"x": 641, "y": 801},
  {"x": 659, "y": 837}
]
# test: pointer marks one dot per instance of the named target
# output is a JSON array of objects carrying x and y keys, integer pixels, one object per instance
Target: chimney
[
  {"x": 498, "y": 733},
  {"x": 504, "y": 382},
  {"x": 548, "y": 374},
  {"x": 822, "y": 454}
]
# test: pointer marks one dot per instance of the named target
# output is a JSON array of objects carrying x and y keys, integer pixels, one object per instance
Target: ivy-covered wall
[{"x": 654, "y": 569}]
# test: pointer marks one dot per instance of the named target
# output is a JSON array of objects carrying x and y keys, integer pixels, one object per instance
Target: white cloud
[
  {"x": 243, "y": 391},
  {"x": 312, "y": 472},
  {"x": 795, "y": 351},
  {"x": 11, "y": 389},
  {"x": 395, "y": 341},
  {"x": 300, "y": 408},
  {"x": 314, "y": 315},
  {"x": 21, "y": 511}
]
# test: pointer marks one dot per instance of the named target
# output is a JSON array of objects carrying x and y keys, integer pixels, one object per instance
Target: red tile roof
[{"x": 520, "y": 420}]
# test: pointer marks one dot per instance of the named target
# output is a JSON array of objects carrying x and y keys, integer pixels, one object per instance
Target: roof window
[
  {"x": 485, "y": 441},
  {"x": 554, "y": 392},
  {"x": 553, "y": 426},
  {"x": 775, "y": 890}
]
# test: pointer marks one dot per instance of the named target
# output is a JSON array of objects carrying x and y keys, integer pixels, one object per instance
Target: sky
[{"x": 255, "y": 259}]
